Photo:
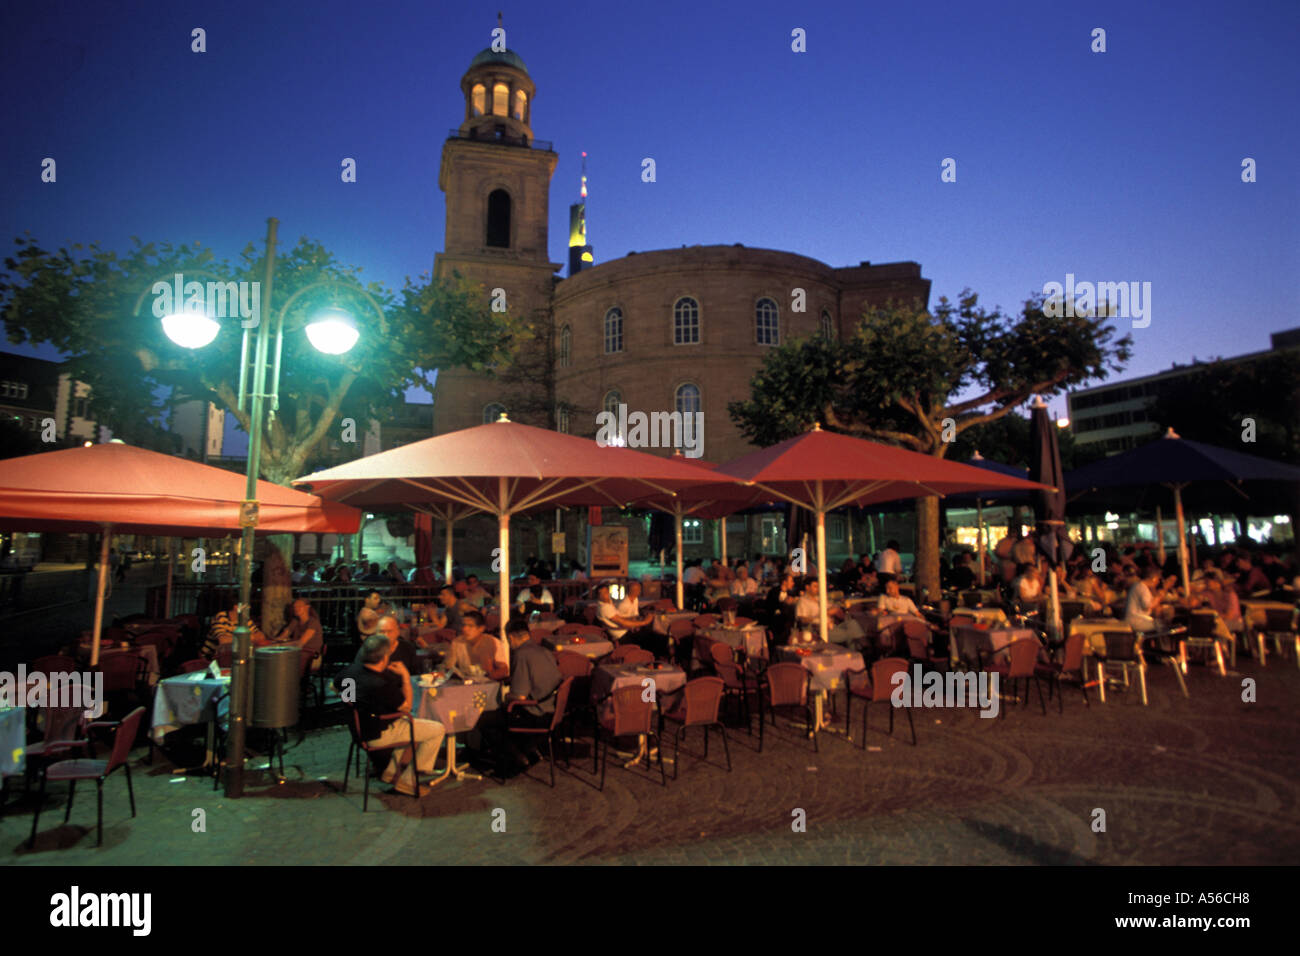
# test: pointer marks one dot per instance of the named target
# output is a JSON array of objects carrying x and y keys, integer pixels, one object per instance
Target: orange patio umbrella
[{"x": 117, "y": 487}]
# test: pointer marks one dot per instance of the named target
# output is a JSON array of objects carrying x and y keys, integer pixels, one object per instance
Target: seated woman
[{"x": 222, "y": 631}]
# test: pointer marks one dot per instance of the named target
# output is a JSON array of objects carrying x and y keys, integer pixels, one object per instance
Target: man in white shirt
[
  {"x": 1140, "y": 608},
  {"x": 534, "y": 597},
  {"x": 630, "y": 606},
  {"x": 693, "y": 574},
  {"x": 890, "y": 562},
  {"x": 608, "y": 616},
  {"x": 807, "y": 610},
  {"x": 743, "y": 586},
  {"x": 892, "y": 602}
]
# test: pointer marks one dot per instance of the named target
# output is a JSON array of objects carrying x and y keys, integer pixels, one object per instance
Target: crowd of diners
[{"x": 780, "y": 596}]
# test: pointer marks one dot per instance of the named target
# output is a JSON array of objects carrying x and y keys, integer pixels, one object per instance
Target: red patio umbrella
[
  {"x": 821, "y": 471},
  {"x": 101, "y": 488},
  {"x": 502, "y": 468}
]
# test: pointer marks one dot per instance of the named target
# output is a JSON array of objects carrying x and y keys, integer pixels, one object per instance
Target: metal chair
[
  {"x": 787, "y": 687},
  {"x": 629, "y": 716},
  {"x": 1071, "y": 667},
  {"x": 550, "y": 730},
  {"x": 1021, "y": 665},
  {"x": 124, "y": 732},
  {"x": 877, "y": 688},
  {"x": 1280, "y": 628},
  {"x": 359, "y": 745}
]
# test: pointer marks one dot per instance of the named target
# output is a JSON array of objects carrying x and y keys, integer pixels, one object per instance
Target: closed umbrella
[{"x": 1049, "y": 504}]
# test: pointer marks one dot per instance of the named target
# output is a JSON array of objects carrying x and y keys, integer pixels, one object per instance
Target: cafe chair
[
  {"x": 738, "y": 686},
  {"x": 124, "y": 732},
  {"x": 557, "y": 720},
  {"x": 54, "y": 664},
  {"x": 1071, "y": 668},
  {"x": 629, "y": 716},
  {"x": 704, "y": 621},
  {"x": 874, "y": 689},
  {"x": 785, "y": 686},
  {"x": 681, "y": 636},
  {"x": 571, "y": 627},
  {"x": 1280, "y": 628},
  {"x": 722, "y": 653},
  {"x": 1020, "y": 664},
  {"x": 629, "y": 654},
  {"x": 1202, "y": 635},
  {"x": 198, "y": 664},
  {"x": 579, "y": 668},
  {"x": 697, "y": 706},
  {"x": 359, "y": 746},
  {"x": 124, "y": 675}
]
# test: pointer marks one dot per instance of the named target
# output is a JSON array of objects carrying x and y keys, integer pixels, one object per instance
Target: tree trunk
[
  {"x": 926, "y": 570},
  {"x": 277, "y": 584}
]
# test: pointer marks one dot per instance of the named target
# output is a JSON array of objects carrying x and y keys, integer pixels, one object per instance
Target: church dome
[{"x": 508, "y": 57}]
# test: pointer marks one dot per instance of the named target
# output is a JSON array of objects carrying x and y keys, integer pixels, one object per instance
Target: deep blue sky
[{"x": 1116, "y": 166}]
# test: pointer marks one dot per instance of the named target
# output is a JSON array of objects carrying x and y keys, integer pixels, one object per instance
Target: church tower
[{"x": 496, "y": 178}]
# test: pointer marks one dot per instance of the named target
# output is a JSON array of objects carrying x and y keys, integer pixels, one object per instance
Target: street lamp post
[{"x": 334, "y": 333}]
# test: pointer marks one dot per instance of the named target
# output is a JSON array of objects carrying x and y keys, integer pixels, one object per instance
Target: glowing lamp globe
[
  {"x": 333, "y": 332},
  {"x": 190, "y": 330}
]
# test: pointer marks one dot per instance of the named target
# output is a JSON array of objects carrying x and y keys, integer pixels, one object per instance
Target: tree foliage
[{"x": 96, "y": 306}]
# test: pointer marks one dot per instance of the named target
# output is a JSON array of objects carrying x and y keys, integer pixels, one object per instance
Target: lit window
[
  {"x": 828, "y": 326},
  {"x": 479, "y": 99},
  {"x": 613, "y": 331},
  {"x": 686, "y": 322},
  {"x": 687, "y": 400},
  {"x": 692, "y": 531},
  {"x": 613, "y": 399},
  {"x": 566, "y": 346},
  {"x": 500, "y": 99},
  {"x": 521, "y": 98},
  {"x": 767, "y": 329},
  {"x": 492, "y": 412}
]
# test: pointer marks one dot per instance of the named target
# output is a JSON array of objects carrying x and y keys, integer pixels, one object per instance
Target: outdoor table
[
  {"x": 607, "y": 678},
  {"x": 588, "y": 647},
  {"x": 664, "y": 620},
  {"x": 458, "y": 707},
  {"x": 13, "y": 741},
  {"x": 969, "y": 641},
  {"x": 827, "y": 664},
  {"x": 752, "y": 637},
  {"x": 147, "y": 651},
  {"x": 982, "y": 615},
  {"x": 190, "y": 699},
  {"x": 551, "y": 625}
]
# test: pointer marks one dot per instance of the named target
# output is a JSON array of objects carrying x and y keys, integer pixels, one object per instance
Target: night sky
[{"x": 1115, "y": 166}]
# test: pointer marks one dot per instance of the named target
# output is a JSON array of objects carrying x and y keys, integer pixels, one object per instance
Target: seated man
[
  {"x": 377, "y": 606},
  {"x": 400, "y": 650},
  {"x": 475, "y": 594},
  {"x": 893, "y": 602},
  {"x": 744, "y": 587},
  {"x": 1144, "y": 598},
  {"x": 475, "y": 647},
  {"x": 779, "y": 608},
  {"x": 450, "y": 610},
  {"x": 534, "y": 675},
  {"x": 378, "y": 685},
  {"x": 222, "y": 631},
  {"x": 615, "y": 624},
  {"x": 534, "y": 597}
]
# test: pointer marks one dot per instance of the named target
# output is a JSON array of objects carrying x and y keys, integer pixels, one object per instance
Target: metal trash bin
[{"x": 276, "y": 675}]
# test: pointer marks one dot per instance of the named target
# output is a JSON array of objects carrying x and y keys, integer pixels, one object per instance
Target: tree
[
  {"x": 919, "y": 380},
  {"x": 98, "y": 308}
]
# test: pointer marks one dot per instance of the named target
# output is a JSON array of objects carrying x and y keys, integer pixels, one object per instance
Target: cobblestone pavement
[{"x": 1210, "y": 780}]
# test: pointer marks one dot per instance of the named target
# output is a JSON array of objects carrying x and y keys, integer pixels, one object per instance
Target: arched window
[
  {"x": 566, "y": 346},
  {"x": 498, "y": 219},
  {"x": 479, "y": 99},
  {"x": 767, "y": 323},
  {"x": 521, "y": 100},
  {"x": 613, "y": 399},
  {"x": 562, "y": 420},
  {"x": 687, "y": 399},
  {"x": 500, "y": 99},
  {"x": 686, "y": 322},
  {"x": 828, "y": 326},
  {"x": 613, "y": 331},
  {"x": 492, "y": 412}
]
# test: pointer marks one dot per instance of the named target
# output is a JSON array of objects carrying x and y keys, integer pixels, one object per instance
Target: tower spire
[
  {"x": 583, "y": 191},
  {"x": 581, "y": 254}
]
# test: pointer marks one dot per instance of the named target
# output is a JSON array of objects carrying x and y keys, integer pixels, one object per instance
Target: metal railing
[{"x": 502, "y": 138}]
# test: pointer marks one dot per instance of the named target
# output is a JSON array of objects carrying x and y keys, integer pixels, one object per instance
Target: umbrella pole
[
  {"x": 681, "y": 590},
  {"x": 171, "y": 565},
  {"x": 503, "y": 576},
  {"x": 446, "y": 558},
  {"x": 979, "y": 537},
  {"x": 1160, "y": 536},
  {"x": 1056, "y": 604},
  {"x": 1182, "y": 539},
  {"x": 722, "y": 523},
  {"x": 101, "y": 583},
  {"x": 821, "y": 562}
]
